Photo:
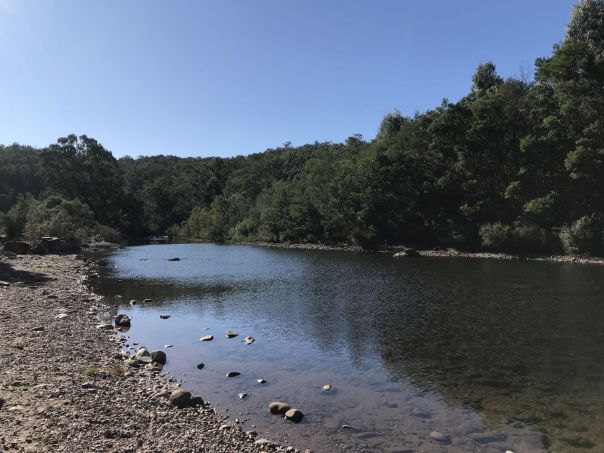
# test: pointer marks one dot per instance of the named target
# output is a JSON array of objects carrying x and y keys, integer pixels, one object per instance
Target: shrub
[
  {"x": 531, "y": 238},
  {"x": 495, "y": 236},
  {"x": 584, "y": 237}
]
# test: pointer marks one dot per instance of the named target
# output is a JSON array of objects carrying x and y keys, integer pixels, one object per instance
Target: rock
[
  {"x": 207, "y": 338},
  {"x": 180, "y": 398},
  {"x": 232, "y": 374},
  {"x": 263, "y": 442},
  {"x": 158, "y": 357},
  {"x": 3, "y": 283},
  {"x": 200, "y": 366},
  {"x": 104, "y": 326},
  {"x": 143, "y": 355},
  {"x": 242, "y": 395},
  {"x": 168, "y": 345},
  {"x": 294, "y": 415},
  {"x": 146, "y": 301},
  {"x": 327, "y": 388},
  {"x": 174, "y": 259},
  {"x": 407, "y": 252},
  {"x": 225, "y": 428},
  {"x": 261, "y": 381},
  {"x": 17, "y": 247},
  {"x": 132, "y": 362},
  {"x": 164, "y": 316},
  {"x": 122, "y": 321},
  {"x": 61, "y": 316},
  {"x": 197, "y": 401},
  {"x": 38, "y": 329},
  {"x": 277, "y": 407},
  {"x": 132, "y": 302},
  {"x": 230, "y": 334},
  {"x": 248, "y": 340},
  {"x": 440, "y": 437}
]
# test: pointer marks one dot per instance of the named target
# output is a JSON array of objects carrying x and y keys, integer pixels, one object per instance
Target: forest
[{"x": 517, "y": 165}]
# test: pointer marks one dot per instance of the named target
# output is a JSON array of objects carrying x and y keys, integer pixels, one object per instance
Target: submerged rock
[
  {"x": 278, "y": 408},
  {"x": 180, "y": 398},
  {"x": 294, "y": 415}
]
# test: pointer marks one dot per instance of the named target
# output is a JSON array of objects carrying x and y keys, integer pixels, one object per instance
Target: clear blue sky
[{"x": 227, "y": 77}]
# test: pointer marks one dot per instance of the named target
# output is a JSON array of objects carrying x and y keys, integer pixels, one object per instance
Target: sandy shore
[{"x": 63, "y": 382}]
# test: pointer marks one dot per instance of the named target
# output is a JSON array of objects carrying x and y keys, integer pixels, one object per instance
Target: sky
[{"x": 231, "y": 77}]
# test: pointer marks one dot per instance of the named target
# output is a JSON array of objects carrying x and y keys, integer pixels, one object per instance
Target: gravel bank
[{"x": 63, "y": 382}]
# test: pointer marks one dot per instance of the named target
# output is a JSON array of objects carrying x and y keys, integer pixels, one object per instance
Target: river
[{"x": 424, "y": 354}]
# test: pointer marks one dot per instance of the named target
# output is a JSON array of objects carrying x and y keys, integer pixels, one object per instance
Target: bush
[
  {"x": 584, "y": 237},
  {"x": 495, "y": 236}
]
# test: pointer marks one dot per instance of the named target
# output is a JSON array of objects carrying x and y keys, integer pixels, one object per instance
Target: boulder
[
  {"x": 278, "y": 408},
  {"x": 159, "y": 357},
  {"x": 180, "y": 398},
  {"x": 294, "y": 415},
  {"x": 17, "y": 247},
  {"x": 122, "y": 320},
  {"x": 143, "y": 355}
]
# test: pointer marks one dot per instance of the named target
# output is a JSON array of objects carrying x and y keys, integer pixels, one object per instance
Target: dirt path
[{"x": 63, "y": 382}]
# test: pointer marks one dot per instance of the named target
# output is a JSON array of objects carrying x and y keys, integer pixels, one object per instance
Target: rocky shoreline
[
  {"x": 65, "y": 385},
  {"x": 446, "y": 253}
]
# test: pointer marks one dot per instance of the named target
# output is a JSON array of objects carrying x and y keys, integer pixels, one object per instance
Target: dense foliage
[{"x": 515, "y": 165}]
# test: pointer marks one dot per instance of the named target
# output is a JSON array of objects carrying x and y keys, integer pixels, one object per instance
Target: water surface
[{"x": 494, "y": 355}]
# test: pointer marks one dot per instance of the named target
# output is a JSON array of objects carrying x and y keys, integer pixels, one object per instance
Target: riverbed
[{"x": 423, "y": 354}]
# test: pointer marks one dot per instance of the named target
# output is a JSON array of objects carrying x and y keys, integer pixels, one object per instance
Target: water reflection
[{"x": 494, "y": 355}]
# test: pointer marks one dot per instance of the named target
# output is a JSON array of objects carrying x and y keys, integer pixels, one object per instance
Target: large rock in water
[
  {"x": 180, "y": 398},
  {"x": 278, "y": 408},
  {"x": 294, "y": 415},
  {"x": 122, "y": 321},
  {"x": 158, "y": 357}
]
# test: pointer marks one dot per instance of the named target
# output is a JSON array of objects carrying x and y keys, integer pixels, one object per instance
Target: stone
[
  {"x": 143, "y": 355},
  {"x": 146, "y": 301},
  {"x": 104, "y": 326},
  {"x": 158, "y": 357},
  {"x": 225, "y": 428},
  {"x": 294, "y": 415},
  {"x": 327, "y": 388},
  {"x": 440, "y": 437},
  {"x": 164, "y": 316},
  {"x": 122, "y": 320},
  {"x": 168, "y": 345},
  {"x": 207, "y": 338},
  {"x": 278, "y": 408},
  {"x": 200, "y": 366},
  {"x": 61, "y": 316},
  {"x": 3, "y": 283},
  {"x": 197, "y": 401},
  {"x": 230, "y": 334},
  {"x": 407, "y": 252},
  {"x": 232, "y": 374},
  {"x": 180, "y": 398},
  {"x": 38, "y": 329},
  {"x": 174, "y": 259},
  {"x": 263, "y": 442},
  {"x": 261, "y": 381},
  {"x": 242, "y": 395},
  {"x": 132, "y": 302},
  {"x": 248, "y": 340}
]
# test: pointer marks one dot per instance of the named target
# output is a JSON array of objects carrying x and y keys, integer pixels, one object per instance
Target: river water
[{"x": 424, "y": 354}]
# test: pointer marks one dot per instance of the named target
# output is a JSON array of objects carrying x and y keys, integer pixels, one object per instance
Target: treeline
[{"x": 515, "y": 166}]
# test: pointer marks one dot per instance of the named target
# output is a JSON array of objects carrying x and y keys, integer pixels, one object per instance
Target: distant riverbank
[{"x": 447, "y": 253}]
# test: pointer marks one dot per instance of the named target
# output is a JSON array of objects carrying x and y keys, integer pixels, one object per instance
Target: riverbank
[
  {"x": 64, "y": 385},
  {"x": 446, "y": 253}
]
